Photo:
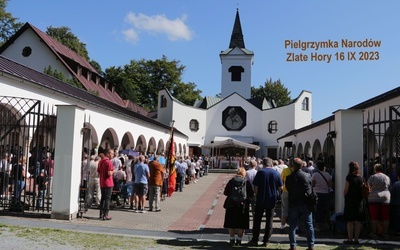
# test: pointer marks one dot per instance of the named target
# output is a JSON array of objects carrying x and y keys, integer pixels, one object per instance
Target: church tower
[{"x": 236, "y": 64}]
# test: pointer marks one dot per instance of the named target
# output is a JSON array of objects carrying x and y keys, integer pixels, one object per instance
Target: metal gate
[
  {"x": 27, "y": 139},
  {"x": 382, "y": 140}
]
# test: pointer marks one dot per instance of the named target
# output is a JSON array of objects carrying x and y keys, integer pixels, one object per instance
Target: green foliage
[
  {"x": 124, "y": 82},
  {"x": 65, "y": 36},
  {"x": 75, "y": 82},
  {"x": 140, "y": 81},
  {"x": 272, "y": 91},
  {"x": 8, "y": 24},
  {"x": 60, "y": 76},
  {"x": 97, "y": 67},
  {"x": 186, "y": 93}
]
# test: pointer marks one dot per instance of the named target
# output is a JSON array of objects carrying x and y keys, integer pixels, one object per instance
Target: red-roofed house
[{"x": 37, "y": 50}]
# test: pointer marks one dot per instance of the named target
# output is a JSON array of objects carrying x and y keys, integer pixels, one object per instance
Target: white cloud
[
  {"x": 130, "y": 35},
  {"x": 159, "y": 24}
]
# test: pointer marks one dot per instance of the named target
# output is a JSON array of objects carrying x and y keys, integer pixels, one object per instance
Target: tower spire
[{"x": 237, "y": 35}]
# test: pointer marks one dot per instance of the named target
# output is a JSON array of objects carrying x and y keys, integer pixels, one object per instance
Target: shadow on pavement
[{"x": 203, "y": 244}]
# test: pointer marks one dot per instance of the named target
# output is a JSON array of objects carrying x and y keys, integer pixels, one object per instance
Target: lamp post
[{"x": 212, "y": 154}]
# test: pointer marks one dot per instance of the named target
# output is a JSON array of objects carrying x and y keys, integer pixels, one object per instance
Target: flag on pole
[
  {"x": 171, "y": 164},
  {"x": 171, "y": 152}
]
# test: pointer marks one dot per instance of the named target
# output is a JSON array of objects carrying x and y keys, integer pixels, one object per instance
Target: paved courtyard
[{"x": 196, "y": 213}]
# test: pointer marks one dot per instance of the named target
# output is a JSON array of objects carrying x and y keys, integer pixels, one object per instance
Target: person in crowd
[
  {"x": 85, "y": 170},
  {"x": 94, "y": 191},
  {"x": 117, "y": 164},
  {"x": 379, "y": 200},
  {"x": 5, "y": 170},
  {"x": 310, "y": 167},
  {"x": 48, "y": 165},
  {"x": 164, "y": 191},
  {"x": 192, "y": 175},
  {"x": 395, "y": 203},
  {"x": 42, "y": 188},
  {"x": 281, "y": 165},
  {"x": 120, "y": 177},
  {"x": 393, "y": 173},
  {"x": 322, "y": 183},
  {"x": 142, "y": 174},
  {"x": 267, "y": 184},
  {"x": 250, "y": 174},
  {"x": 237, "y": 210},
  {"x": 155, "y": 183},
  {"x": 275, "y": 165},
  {"x": 162, "y": 160},
  {"x": 106, "y": 172},
  {"x": 298, "y": 185},
  {"x": 206, "y": 164},
  {"x": 198, "y": 167},
  {"x": 181, "y": 174},
  {"x": 19, "y": 174},
  {"x": 353, "y": 207},
  {"x": 285, "y": 198},
  {"x": 129, "y": 179},
  {"x": 305, "y": 167}
]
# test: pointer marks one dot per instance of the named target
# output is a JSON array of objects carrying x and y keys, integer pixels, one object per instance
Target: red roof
[{"x": 64, "y": 53}]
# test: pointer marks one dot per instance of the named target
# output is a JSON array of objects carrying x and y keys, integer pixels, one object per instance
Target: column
[
  {"x": 67, "y": 162},
  {"x": 348, "y": 147}
]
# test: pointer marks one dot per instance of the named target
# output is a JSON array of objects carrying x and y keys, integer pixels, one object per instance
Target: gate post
[
  {"x": 67, "y": 162},
  {"x": 348, "y": 147}
]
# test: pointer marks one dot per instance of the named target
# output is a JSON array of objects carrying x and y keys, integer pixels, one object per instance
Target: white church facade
[{"x": 235, "y": 115}]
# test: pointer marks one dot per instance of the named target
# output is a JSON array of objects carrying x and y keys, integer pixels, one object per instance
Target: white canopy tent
[
  {"x": 226, "y": 143},
  {"x": 231, "y": 143}
]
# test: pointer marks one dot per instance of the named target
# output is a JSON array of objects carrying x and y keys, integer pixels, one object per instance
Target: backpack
[{"x": 238, "y": 191}]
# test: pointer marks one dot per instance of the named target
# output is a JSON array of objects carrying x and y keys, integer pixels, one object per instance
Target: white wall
[
  {"x": 236, "y": 58},
  {"x": 41, "y": 56},
  {"x": 100, "y": 118}
]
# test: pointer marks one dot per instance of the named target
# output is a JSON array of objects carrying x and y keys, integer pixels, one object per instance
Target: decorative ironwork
[{"x": 27, "y": 133}]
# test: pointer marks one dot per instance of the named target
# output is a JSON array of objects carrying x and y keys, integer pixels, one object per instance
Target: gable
[{"x": 48, "y": 51}]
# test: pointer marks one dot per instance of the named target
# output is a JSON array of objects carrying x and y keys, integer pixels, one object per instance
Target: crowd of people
[
  {"x": 293, "y": 183},
  {"x": 132, "y": 181},
  {"x": 19, "y": 174}
]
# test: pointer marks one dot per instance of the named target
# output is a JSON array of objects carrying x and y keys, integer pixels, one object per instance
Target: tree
[
  {"x": 65, "y": 36},
  {"x": 60, "y": 76},
  {"x": 8, "y": 23},
  {"x": 148, "y": 77},
  {"x": 97, "y": 67},
  {"x": 273, "y": 91},
  {"x": 123, "y": 80},
  {"x": 186, "y": 93}
]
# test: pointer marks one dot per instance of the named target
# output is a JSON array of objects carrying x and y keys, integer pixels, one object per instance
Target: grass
[{"x": 19, "y": 237}]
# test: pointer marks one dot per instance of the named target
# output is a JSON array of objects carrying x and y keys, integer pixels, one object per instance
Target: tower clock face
[{"x": 234, "y": 118}]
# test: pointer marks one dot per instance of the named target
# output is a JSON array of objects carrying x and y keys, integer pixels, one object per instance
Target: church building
[{"x": 251, "y": 126}]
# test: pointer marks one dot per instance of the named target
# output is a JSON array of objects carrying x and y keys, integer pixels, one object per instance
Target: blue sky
[{"x": 195, "y": 32}]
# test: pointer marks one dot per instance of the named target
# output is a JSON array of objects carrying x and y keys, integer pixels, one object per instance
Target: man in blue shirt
[
  {"x": 267, "y": 183},
  {"x": 142, "y": 174},
  {"x": 181, "y": 174}
]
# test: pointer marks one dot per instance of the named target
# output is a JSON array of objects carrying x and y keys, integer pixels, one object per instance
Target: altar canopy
[{"x": 230, "y": 142}]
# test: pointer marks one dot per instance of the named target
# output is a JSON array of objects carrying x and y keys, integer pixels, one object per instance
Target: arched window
[{"x": 236, "y": 73}]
